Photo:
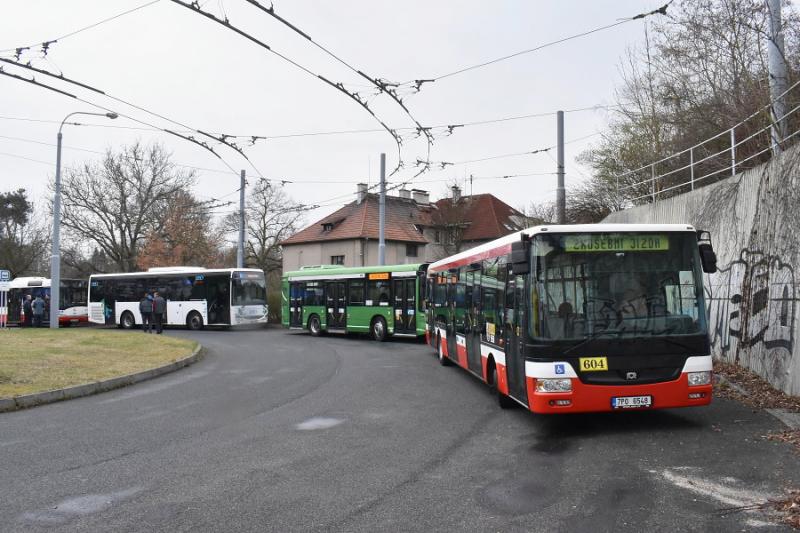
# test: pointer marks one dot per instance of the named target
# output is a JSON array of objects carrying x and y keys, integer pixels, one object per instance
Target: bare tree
[
  {"x": 24, "y": 239},
  {"x": 115, "y": 204},
  {"x": 270, "y": 217},
  {"x": 700, "y": 71},
  {"x": 187, "y": 236}
]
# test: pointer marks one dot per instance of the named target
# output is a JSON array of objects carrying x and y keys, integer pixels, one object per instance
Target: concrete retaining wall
[{"x": 754, "y": 220}]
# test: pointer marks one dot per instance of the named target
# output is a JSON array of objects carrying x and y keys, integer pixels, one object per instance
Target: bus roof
[
  {"x": 328, "y": 270},
  {"x": 488, "y": 249},
  {"x": 175, "y": 271},
  {"x": 35, "y": 281}
]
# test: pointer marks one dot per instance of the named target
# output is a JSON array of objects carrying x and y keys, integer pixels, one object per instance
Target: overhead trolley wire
[
  {"x": 418, "y": 83},
  {"x": 194, "y": 7},
  {"x": 46, "y": 44},
  {"x": 189, "y": 138}
]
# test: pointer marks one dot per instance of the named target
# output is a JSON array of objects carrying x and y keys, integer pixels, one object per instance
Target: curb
[
  {"x": 788, "y": 418},
  {"x": 87, "y": 389}
]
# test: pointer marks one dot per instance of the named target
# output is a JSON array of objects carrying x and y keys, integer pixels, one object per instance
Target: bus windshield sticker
[
  {"x": 379, "y": 276},
  {"x": 559, "y": 369},
  {"x": 616, "y": 243}
]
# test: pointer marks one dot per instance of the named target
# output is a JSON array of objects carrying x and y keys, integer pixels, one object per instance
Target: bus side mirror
[
  {"x": 708, "y": 258},
  {"x": 520, "y": 257}
]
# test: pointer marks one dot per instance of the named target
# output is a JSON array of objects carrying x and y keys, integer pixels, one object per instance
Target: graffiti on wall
[{"x": 752, "y": 305}]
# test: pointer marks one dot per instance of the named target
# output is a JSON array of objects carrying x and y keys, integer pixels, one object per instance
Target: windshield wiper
[{"x": 591, "y": 337}]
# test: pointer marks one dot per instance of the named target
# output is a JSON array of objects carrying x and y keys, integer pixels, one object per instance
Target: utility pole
[
  {"x": 777, "y": 75},
  {"x": 240, "y": 248},
  {"x": 382, "y": 214},
  {"x": 561, "y": 198}
]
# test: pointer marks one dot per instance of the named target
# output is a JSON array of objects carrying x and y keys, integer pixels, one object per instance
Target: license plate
[
  {"x": 593, "y": 364},
  {"x": 631, "y": 402}
]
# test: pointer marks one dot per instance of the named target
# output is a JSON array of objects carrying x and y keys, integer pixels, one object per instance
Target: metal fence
[{"x": 747, "y": 144}]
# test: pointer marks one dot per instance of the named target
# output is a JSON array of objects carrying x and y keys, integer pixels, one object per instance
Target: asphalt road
[{"x": 278, "y": 431}]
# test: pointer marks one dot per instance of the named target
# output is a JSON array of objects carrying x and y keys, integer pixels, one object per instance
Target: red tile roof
[
  {"x": 360, "y": 221},
  {"x": 485, "y": 216}
]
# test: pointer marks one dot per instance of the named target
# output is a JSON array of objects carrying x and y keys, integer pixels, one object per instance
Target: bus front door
[
  {"x": 335, "y": 299},
  {"x": 296, "y": 305},
  {"x": 515, "y": 331},
  {"x": 405, "y": 306}
]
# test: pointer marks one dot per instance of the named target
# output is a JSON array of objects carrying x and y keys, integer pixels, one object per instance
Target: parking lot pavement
[{"x": 278, "y": 431}]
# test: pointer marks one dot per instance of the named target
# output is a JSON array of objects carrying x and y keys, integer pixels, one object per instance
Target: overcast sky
[{"x": 177, "y": 63}]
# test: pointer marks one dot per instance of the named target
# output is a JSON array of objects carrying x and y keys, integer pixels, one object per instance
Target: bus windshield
[
  {"x": 249, "y": 288},
  {"x": 617, "y": 284}
]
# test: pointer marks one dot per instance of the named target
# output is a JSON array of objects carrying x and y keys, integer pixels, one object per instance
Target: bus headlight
[
  {"x": 699, "y": 378},
  {"x": 554, "y": 385}
]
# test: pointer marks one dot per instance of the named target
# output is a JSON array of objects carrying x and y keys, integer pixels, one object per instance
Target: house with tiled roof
[{"x": 416, "y": 229}]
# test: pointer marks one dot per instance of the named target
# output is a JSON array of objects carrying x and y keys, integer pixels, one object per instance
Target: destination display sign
[
  {"x": 378, "y": 276},
  {"x": 616, "y": 243}
]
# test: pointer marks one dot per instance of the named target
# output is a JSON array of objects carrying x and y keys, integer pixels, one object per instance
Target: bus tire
[
  {"x": 314, "y": 326},
  {"x": 194, "y": 321},
  {"x": 378, "y": 329},
  {"x": 502, "y": 400},
  {"x": 127, "y": 321},
  {"x": 443, "y": 359}
]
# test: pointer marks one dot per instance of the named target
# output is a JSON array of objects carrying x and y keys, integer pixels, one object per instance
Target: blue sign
[
  {"x": 5, "y": 275},
  {"x": 559, "y": 369}
]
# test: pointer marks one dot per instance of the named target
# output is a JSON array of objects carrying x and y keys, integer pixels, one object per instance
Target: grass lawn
[{"x": 35, "y": 360}]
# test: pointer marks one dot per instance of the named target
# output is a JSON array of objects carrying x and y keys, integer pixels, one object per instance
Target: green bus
[{"x": 382, "y": 301}]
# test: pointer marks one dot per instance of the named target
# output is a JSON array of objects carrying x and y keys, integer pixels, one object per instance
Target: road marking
[
  {"x": 78, "y": 506},
  {"x": 723, "y": 490},
  {"x": 318, "y": 423}
]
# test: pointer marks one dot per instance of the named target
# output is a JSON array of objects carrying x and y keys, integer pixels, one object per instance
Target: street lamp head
[{"x": 112, "y": 115}]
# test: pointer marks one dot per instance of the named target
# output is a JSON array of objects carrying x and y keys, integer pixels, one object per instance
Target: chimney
[
  {"x": 361, "y": 192},
  {"x": 456, "y": 193},
  {"x": 420, "y": 196},
  {"x": 404, "y": 193}
]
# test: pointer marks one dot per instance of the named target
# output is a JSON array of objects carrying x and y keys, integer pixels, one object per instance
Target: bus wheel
[
  {"x": 502, "y": 400},
  {"x": 378, "y": 329},
  {"x": 314, "y": 326},
  {"x": 443, "y": 360},
  {"x": 194, "y": 321},
  {"x": 127, "y": 321}
]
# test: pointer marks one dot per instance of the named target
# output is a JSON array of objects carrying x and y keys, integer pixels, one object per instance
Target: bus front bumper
[{"x": 603, "y": 398}]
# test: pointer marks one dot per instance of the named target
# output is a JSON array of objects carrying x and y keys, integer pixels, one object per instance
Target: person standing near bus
[
  {"x": 146, "y": 309},
  {"x": 27, "y": 309},
  {"x": 38, "y": 311},
  {"x": 159, "y": 308}
]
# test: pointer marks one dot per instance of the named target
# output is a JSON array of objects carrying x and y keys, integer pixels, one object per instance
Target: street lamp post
[{"x": 55, "y": 258}]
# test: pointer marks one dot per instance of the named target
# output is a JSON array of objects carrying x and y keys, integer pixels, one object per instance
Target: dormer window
[{"x": 328, "y": 226}]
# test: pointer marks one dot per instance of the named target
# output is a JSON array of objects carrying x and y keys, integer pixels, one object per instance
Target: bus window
[
  {"x": 377, "y": 292},
  {"x": 355, "y": 295},
  {"x": 313, "y": 294}
]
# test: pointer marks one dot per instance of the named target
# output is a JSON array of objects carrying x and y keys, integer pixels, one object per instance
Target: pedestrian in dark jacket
[
  {"x": 159, "y": 308},
  {"x": 38, "y": 311},
  {"x": 146, "y": 309},
  {"x": 27, "y": 309}
]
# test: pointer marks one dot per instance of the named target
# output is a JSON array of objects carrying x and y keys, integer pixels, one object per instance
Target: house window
[
  {"x": 337, "y": 260},
  {"x": 411, "y": 250},
  {"x": 437, "y": 237},
  {"x": 327, "y": 227}
]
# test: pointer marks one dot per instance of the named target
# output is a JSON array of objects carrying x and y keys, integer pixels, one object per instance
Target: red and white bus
[
  {"x": 72, "y": 307},
  {"x": 566, "y": 319}
]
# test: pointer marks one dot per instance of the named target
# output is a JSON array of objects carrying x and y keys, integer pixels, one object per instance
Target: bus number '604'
[{"x": 593, "y": 364}]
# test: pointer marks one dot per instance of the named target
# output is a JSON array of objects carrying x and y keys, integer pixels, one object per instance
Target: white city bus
[{"x": 196, "y": 297}]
